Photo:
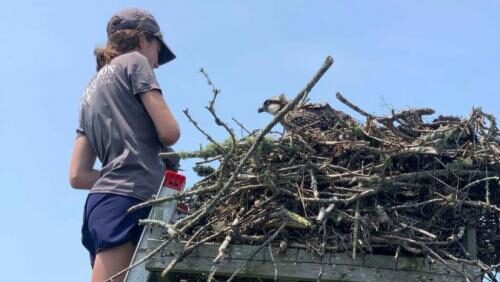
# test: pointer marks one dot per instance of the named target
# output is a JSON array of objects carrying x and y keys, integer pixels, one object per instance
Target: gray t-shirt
[{"x": 119, "y": 128}]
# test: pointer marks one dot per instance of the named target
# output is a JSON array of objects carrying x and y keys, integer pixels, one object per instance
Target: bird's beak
[{"x": 260, "y": 110}]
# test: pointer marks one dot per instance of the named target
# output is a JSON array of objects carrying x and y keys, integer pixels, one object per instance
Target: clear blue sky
[{"x": 388, "y": 54}]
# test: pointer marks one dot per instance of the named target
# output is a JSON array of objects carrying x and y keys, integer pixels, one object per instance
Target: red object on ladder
[{"x": 173, "y": 180}]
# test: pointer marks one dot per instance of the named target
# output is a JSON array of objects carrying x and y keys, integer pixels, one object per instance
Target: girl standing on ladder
[{"x": 124, "y": 121}]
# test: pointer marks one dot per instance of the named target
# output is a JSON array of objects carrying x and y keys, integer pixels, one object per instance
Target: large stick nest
[{"x": 403, "y": 184}]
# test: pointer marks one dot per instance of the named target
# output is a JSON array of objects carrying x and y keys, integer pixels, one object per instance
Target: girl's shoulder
[{"x": 128, "y": 58}]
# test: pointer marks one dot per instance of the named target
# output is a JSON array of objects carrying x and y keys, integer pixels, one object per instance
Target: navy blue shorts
[{"x": 106, "y": 223}]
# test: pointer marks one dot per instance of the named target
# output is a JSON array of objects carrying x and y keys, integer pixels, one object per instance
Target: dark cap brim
[{"x": 166, "y": 55}]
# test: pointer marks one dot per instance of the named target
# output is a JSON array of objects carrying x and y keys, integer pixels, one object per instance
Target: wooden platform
[{"x": 301, "y": 265}]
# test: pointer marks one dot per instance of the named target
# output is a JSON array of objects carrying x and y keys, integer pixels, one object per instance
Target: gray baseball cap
[{"x": 134, "y": 18}]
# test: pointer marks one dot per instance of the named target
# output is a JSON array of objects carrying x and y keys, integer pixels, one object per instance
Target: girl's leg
[{"x": 111, "y": 261}]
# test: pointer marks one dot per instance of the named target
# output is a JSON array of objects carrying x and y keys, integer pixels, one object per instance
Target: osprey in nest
[{"x": 307, "y": 116}]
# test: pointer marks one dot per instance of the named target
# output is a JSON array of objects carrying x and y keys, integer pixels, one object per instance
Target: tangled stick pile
[{"x": 396, "y": 185}]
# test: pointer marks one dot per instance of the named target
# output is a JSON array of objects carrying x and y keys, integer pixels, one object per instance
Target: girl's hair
[{"x": 120, "y": 42}]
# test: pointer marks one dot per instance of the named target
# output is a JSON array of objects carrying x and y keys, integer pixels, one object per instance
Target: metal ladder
[{"x": 172, "y": 183}]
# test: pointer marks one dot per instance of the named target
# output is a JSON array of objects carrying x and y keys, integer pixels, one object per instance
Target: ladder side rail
[{"x": 171, "y": 184}]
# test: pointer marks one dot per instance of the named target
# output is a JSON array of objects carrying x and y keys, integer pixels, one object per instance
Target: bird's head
[{"x": 274, "y": 104}]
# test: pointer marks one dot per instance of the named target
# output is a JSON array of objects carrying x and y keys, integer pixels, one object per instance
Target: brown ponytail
[{"x": 119, "y": 42}]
